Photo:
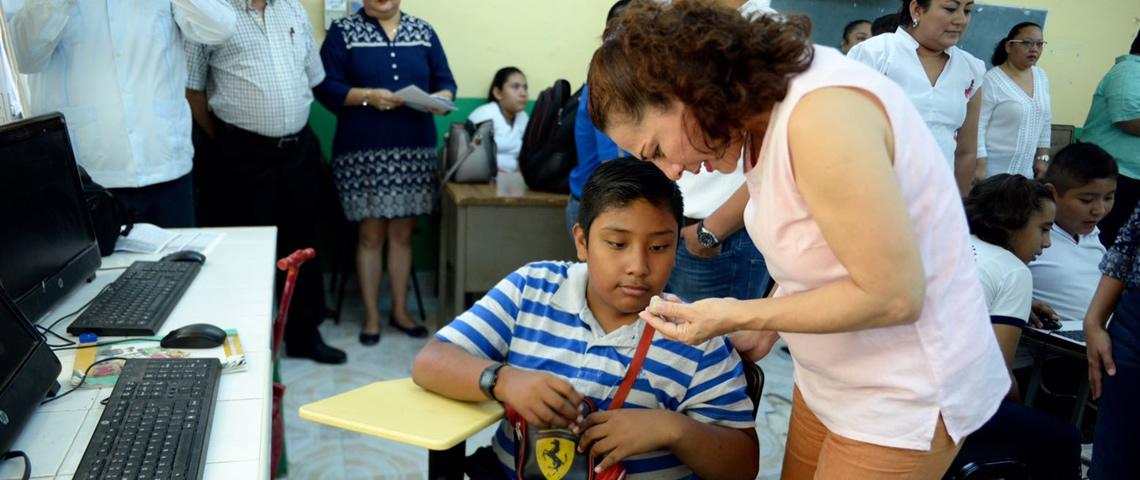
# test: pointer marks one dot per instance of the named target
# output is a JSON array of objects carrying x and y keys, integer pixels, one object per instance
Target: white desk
[{"x": 233, "y": 290}]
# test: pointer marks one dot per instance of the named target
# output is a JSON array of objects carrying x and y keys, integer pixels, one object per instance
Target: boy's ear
[
  {"x": 1052, "y": 189},
  {"x": 580, "y": 242}
]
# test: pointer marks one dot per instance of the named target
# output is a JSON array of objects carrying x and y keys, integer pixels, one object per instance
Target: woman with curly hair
[{"x": 851, "y": 203}]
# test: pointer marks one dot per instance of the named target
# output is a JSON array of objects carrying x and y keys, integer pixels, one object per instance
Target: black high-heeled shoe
[
  {"x": 417, "y": 331},
  {"x": 369, "y": 339}
]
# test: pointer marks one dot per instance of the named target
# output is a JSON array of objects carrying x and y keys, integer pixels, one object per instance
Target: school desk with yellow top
[{"x": 400, "y": 410}]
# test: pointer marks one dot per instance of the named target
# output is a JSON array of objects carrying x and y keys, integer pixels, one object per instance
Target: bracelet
[{"x": 1043, "y": 158}]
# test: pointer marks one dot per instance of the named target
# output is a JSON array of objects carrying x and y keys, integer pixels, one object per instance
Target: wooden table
[
  {"x": 400, "y": 410},
  {"x": 485, "y": 237}
]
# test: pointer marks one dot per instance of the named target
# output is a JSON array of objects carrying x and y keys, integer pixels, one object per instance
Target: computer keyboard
[
  {"x": 1078, "y": 335},
  {"x": 138, "y": 302},
  {"x": 157, "y": 422}
]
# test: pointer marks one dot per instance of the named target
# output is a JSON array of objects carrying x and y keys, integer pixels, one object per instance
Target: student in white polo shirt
[
  {"x": 1083, "y": 180},
  {"x": 553, "y": 333},
  {"x": 941, "y": 79}
]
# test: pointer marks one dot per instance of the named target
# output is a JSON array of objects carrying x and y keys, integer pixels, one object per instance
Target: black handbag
[{"x": 109, "y": 216}]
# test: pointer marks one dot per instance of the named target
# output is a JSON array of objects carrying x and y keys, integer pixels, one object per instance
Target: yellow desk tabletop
[{"x": 402, "y": 411}]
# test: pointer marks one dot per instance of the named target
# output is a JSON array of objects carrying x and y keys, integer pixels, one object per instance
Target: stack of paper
[{"x": 418, "y": 99}]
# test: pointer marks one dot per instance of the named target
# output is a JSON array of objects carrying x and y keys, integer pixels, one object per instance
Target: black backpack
[
  {"x": 108, "y": 214},
  {"x": 548, "y": 153}
]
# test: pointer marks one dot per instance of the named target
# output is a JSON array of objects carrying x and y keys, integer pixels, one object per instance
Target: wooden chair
[{"x": 1062, "y": 135}]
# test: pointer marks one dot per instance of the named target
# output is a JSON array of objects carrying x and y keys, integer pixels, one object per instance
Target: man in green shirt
[{"x": 1114, "y": 125}]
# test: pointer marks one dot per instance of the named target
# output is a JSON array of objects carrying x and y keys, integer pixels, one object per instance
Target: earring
[{"x": 914, "y": 24}]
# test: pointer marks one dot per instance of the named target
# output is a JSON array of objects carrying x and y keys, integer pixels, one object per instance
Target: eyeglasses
[{"x": 1029, "y": 43}]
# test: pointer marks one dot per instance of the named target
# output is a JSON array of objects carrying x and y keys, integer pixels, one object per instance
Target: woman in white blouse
[
  {"x": 506, "y": 107},
  {"x": 1016, "y": 117},
  {"x": 941, "y": 79}
]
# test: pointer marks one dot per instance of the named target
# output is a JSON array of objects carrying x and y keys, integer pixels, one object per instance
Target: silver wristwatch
[{"x": 706, "y": 237}]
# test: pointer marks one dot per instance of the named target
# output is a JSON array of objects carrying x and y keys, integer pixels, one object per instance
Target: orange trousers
[{"x": 815, "y": 452}]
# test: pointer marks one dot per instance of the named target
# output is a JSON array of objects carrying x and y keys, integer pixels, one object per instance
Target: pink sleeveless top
[{"x": 884, "y": 386}]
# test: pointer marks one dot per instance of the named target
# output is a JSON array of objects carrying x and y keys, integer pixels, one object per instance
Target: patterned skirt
[{"x": 388, "y": 183}]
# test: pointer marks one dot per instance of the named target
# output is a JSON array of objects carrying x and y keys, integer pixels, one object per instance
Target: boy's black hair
[
  {"x": 621, "y": 181},
  {"x": 1078, "y": 164},
  {"x": 1003, "y": 204},
  {"x": 885, "y": 24}
]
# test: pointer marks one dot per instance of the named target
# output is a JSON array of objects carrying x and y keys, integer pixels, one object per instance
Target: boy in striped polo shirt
[{"x": 552, "y": 333}]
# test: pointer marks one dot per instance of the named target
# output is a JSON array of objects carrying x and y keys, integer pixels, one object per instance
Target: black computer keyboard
[
  {"x": 1078, "y": 335},
  {"x": 138, "y": 302},
  {"x": 157, "y": 422}
]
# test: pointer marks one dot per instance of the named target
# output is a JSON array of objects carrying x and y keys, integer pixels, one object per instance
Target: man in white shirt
[
  {"x": 1083, "y": 180},
  {"x": 117, "y": 71},
  {"x": 251, "y": 95}
]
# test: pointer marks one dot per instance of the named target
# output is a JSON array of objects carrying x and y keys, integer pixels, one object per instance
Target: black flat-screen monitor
[
  {"x": 28, "y": 370},
  {"x": 47, "y": 242}
]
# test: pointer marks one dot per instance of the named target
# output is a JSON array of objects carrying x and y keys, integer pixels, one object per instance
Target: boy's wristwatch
[
  {"x": 489, "y": 378},
  {"x": 706, "y": 237}
]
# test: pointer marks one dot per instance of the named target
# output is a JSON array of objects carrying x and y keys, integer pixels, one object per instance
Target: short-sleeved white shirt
[
  {"x": 1006, "y": 281},
  {"x": 943, "y": 105},
  {"x": 1065, "y": 276}
]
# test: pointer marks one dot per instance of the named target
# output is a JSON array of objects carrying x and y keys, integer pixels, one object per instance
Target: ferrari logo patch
[{"x": 554, "y": 456}]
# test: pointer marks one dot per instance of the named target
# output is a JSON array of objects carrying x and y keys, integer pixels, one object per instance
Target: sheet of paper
[
  {"x": 418, "y": 99},
  {"x": 145, "y": 238},
  {"x": 201, "y": 242}
]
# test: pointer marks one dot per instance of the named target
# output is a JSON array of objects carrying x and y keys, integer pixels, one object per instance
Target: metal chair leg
[{"x": 419, "y": 299}]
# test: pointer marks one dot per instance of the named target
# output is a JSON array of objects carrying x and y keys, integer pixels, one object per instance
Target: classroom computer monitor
[
  {"x": 47, "y": 242},
  {"x": 28, "y": 370}
]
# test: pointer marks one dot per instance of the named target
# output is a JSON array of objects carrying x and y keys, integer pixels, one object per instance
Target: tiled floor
[{"x": 319, "y": 452}]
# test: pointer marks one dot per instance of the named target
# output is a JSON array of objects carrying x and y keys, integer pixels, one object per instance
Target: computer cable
[
  {"x": 19, "y": 454},
  {"x": 81, "y": 379},
  {"x": 100, "y": 344}
]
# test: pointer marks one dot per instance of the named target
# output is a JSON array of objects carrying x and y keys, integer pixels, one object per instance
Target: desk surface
[
  {"x": 402, "y": 411},
  {"x": 466, "y": 194},
  {"x": 233, "y": 290}
]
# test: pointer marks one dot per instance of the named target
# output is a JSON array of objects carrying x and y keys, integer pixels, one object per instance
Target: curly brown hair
[{"x": 723, "y": 67}]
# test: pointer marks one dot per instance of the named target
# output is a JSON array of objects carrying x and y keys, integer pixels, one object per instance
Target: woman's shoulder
[
  {"x": 416, "y": 23},
  {"x": 976, "y": 66},
  {"x": 484, "y": 112}
]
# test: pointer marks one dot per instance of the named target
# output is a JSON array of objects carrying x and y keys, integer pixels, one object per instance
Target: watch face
[{"x": 705, "y": 238}]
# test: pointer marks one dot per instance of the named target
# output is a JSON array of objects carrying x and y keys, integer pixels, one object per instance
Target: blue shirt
[
  {"x": 537, "y": 319},
  {"x": 1117, "y": 99},
  {"x": 357, "y": 53},
  {"x": 592, "y": 145}
]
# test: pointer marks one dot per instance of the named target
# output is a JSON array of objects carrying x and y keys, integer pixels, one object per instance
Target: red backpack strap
[{"x": 634, "y": 367}]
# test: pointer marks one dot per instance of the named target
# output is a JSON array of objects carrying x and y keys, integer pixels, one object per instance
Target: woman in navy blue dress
[{"x": 384, "y": 153}]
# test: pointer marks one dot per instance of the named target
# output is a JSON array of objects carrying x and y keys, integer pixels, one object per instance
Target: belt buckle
[{"x": 285, "y": 141}]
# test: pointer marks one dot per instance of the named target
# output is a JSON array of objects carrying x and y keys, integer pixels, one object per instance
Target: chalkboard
[{"x": 988, "y": 23}]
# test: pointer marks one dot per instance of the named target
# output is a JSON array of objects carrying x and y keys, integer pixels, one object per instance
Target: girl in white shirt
[
  {"x": 1016, "y": 118},
  {"x": 1011, "y": 217},
  {"x": 506, "y": 107},
  {"x": 941, "y": 79}
]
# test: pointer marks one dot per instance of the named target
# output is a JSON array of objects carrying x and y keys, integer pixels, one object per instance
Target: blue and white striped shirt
[{"x": 537, "y": 319}]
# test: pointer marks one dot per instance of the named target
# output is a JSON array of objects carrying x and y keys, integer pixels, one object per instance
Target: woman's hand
[
  {"x": 622, "y": 433},
  {"x": 544, "y": 400},
  {"x": 691, "y": 323},
  {"x": 383, "y": 99},
  {"x": 1099, "y": 350}
]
